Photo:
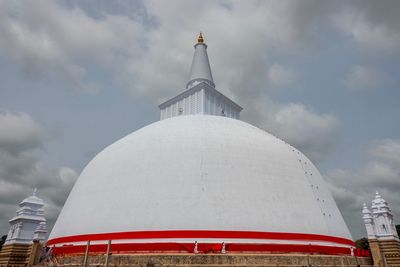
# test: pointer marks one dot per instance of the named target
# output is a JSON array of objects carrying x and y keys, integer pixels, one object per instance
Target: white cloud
[{"x": 364, "y": 78}]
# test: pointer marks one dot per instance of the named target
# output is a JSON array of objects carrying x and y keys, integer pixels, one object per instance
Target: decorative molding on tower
[
  {"x": 29, "y": 223},
  {"x": 200, "y": 99},
  {"x": 200, "y": 96},
  {"x": 369, "y": 222},
  {"x": 379, "y": 221}
]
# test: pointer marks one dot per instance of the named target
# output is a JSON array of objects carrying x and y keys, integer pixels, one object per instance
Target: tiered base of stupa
[{"x": 281, "y": 260}]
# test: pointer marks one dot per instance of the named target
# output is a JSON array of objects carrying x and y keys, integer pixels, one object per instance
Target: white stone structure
[
  {"x": 379, "y": 220},
  {"x": 201, "y": 97},
  {"x": 196, "y": 178},
  {"x": 29, "y": 224}
]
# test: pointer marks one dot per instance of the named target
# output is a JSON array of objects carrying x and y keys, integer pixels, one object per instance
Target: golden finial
[{"x": 200, "y": 39}]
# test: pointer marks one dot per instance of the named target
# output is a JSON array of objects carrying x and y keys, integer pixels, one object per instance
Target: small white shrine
[
  {"x": 29, "y": 224},
  {"x": 379, "y": 220}
]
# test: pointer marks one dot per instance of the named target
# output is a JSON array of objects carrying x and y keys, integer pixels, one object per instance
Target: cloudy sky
[{"x": 78, "y": 75}]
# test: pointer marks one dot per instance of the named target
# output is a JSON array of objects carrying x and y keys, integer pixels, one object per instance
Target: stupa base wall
[
  {"x": 192, "y": 260},
  {"x": 386, "y": 253},
  {"x": 20, "y": 255},
  {"x": 15, "y": 254}
]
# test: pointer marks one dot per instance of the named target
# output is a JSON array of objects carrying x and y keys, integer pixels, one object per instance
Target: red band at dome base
[{"x": 307, "y": 242}]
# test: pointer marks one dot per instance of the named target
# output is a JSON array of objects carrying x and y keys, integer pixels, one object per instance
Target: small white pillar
[{"x": 369, "y": 222}]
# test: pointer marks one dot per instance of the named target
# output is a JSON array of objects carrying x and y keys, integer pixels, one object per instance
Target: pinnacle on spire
[
  {"x": 200, "y": 70},
  {"x": 200, "y": 39},
  {"x": 34, "y": 192}
]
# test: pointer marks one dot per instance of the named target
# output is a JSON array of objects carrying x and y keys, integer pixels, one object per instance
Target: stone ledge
[{"x": 217, "y": 260}]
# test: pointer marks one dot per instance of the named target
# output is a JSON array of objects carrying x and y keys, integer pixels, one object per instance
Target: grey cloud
[
  {"x": 242, "y": 68},
  {"x": 362, "y": 78},
  {"x": 53, "y": 186},
  {"x": 21, "y": 169},
  {"x": 373, "y": 25},
  {"x": 73, "y": 38},
  {"x": 147, "y": 54},
  {"x": 47, "y": 37},
  {"x": 312, "y": 133},
  {"x": 100, "y": 9},
  {"x": 353, "y": 188},
  {"x": 54, "y": 193},
  {"x": 45, "y": 40},
  {"x": 280, "y": 76},
  {"x": 15, "y": 168},
  {"x": 19, "y": 132},
  {"x": 159, "y": 66},
  {"x": 386, "y": 149}
]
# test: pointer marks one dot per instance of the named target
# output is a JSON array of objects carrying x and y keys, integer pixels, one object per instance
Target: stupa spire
[
  {"x": 200, "y": 70},
  {"x": 200, "y": 96}
]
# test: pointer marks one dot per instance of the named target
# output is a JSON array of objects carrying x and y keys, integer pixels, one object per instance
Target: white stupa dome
[{"x": 202, "y": 178}]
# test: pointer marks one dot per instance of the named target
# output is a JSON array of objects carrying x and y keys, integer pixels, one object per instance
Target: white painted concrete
[
  {"x": 200, "y": 70},
  {"x": 379, "y": 221},
  {"x": 29, "y": 222},
  {"x": 201, "y": 99},
  {"x": 200, "y": 96},
  {"x": 200, "y": 173}
]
